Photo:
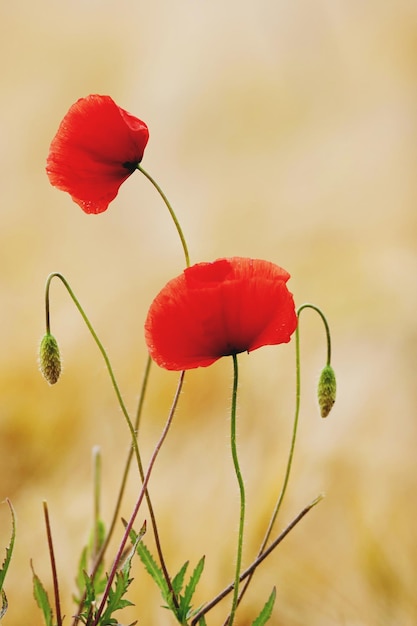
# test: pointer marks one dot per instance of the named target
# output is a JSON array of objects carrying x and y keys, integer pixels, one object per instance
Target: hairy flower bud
[
  {"x": 49, "y": 359},
  {"x": 326, "y": 390}
]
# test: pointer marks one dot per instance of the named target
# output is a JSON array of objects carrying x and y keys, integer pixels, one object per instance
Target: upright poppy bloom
[
  {"x": 218, "y": 309},
  {"x": 97, "y": 147}
]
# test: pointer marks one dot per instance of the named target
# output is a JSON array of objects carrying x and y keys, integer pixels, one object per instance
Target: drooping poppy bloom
[
  {"x": 97, "y": 147},
  {"x": 218, "y": 309}
]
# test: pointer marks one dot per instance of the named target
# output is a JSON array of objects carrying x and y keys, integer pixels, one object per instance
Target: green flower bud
[
  {"x": 49, "y": 359},
  {"x": 326, "y": 390}
]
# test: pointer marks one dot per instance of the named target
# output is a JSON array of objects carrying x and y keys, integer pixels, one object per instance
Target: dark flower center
[{"x": 130, "y": 166}]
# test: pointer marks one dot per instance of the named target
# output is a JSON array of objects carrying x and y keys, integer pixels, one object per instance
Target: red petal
[
  {"x": 89, "y": 153},
  {"x": 217, "y": 309}
]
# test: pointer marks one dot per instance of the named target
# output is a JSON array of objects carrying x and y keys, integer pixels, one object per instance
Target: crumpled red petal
[
  {"x": 98, "y": 145},
  {"x": 218, "y": 309}
]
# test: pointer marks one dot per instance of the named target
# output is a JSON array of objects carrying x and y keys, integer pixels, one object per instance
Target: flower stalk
[
  {"x": 241, "y": 491},
  {"x": 135, "y": 511},
  {"x": 171, "y": 212}
]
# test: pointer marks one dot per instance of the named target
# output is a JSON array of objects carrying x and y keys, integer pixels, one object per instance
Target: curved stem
[
  {"x": 171, "y": 211},
  {"x": 289, "y": 460},
  {"x": 292, "y": 443},
  {"x": 53, "y": 564},
  {"x": 97, "y": 500},
  {"x": 259, "y": 559},
  {"x": 326, "y": 326},
  {"x": 131, "y": 521},
  {"x": 132, "y": 429},
  {"x": 241, "y": 491},
  {"x": 294, "y": 431},
  {"x": 100, "y": 347},
  {"x": 132, "y": 449},
  {"x": 127, "y": 464},
  {"x": 147, "y": 495}
]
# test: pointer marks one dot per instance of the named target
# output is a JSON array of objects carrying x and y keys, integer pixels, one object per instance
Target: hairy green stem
[
  {"x": 294, "y": 432},
  {"x": 241, "y": 492},
  {"x": 97, "y": 500},
  {"x": 171, "y": 212},
  {"x": 259, "y": 559},
  {"x": 131, "y": 521},
  {"x": 325, "y": 323},
  {"x": 100, "y": 347}
]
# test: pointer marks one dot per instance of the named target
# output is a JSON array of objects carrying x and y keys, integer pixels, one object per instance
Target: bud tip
[
  {"x": 49, "y": 359},
  {"x": 326, "y": 391}
]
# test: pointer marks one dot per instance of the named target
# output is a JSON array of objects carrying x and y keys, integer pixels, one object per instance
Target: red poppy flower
[
  {"x": 218, "y": 309},
  {"x": 97, "y": 147}
]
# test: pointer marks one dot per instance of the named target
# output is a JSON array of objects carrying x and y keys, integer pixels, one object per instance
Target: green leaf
[
  {"x": 79, "y": 579},
  {"x": 42, "y": 599},
  {"x": 185, "y": 600},
  {"x": 178, "y": 580},
  {"x": 88, "y": 555},
  {"x": 115, "y": 600},
  {"x": 6, "y": 562},
  {"x": 155, "y": 572},
  {"x": 89, "y": 590},
  {"x": 266, "y": 612},
  {"x": 97, "y": 538},
  {"x": 128, "y": 562},
  {"x": 4, "y": 603}
]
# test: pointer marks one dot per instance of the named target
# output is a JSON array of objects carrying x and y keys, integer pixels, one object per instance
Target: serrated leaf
[
  {"x": 42, "y": 599},
  {"x": 4, "y": 603},
  {"x": 155, "y": 572},
  {"x": 87, "y": 555},
  {"x": 185, "y": 600},
  {"x": 97, "y": 537},
  {"x": 194, "y": 580},
  {"x": 178, "y": 580},
  {"x": 79, "y": 579},
  {"x": 6, "y": 562},
  {"x": 115, "y": 600},
  {"x": 89, "y": 590},
  {"x": 128, "y": 561},
  {"x": 266, "y": 612}
]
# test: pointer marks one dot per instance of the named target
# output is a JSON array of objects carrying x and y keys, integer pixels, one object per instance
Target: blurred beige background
[{"x": 279, "y": 130}]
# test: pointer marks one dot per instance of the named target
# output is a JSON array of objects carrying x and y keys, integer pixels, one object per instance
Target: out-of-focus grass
[{"x": 278, "y": 131}]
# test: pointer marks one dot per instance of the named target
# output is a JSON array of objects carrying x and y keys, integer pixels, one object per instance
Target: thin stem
[
  {"x": 129, "y": 525},
  {"x": 292, "y": 444},
  {"x": 97, "y": 498},
  {"x": 288, "y": 466},
  {"x": 53, "y": 564},
  {"x": 171, "y": 211},
  {"x": 115, "y": 517},
  {"x": 147, "y": 495},
  {"x": 241, "y": 492},
  {"x": 132, "y": 429},
  {"x": 261, "y": 557},
  {"x": 294, "y": 431},
  {"x": 127, "y": 467},
  {"x": 100, "y": 347},
  {"x": 326, "y": 326}
]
